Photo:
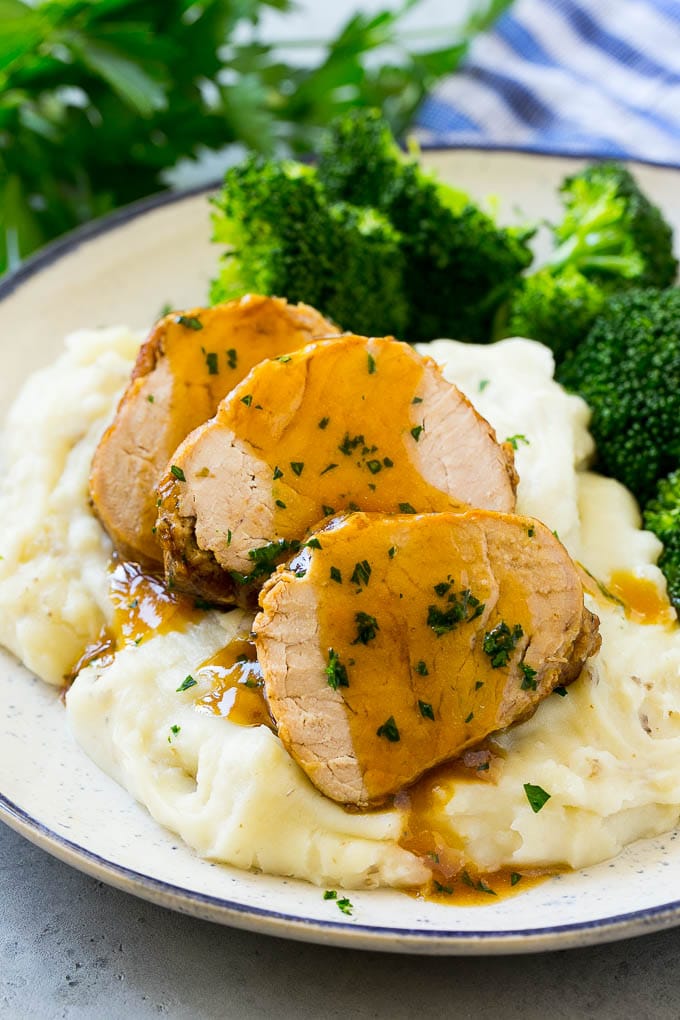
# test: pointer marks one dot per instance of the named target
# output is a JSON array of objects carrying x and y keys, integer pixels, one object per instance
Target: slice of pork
[
  {"x": 349, "y": 423},
  {"x": 389, "y": 645},
  {"x": 186, "y": 366}
]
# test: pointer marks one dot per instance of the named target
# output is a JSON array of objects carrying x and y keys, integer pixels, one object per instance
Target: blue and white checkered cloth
[{"x": 579, "y": 77}]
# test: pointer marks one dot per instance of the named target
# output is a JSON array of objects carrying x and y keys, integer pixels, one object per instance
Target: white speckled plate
[{"x": 125, "y": 269}]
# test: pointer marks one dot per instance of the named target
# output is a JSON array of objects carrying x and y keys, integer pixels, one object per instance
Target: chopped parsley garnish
[
  {"x": 470, "y": 717},
  {"x": 265, "y": 558},
  {"x": 536, "y": 796},
  {"x": 189, "y": 321},
  {"x": 516, "y": 440},
  {"x": 343, "y": 904},
  {"x": 336, "y": 673},
  {"x": 187, "y": 683},
  {"x": 515, "y": 877},
  {"x": 348, "y": 446},
  {"x": 484, "y": 767},
  {"x": 371, "y": 364},
  {"x": 480, "y": 885},
  {"x": 388, "y": 462},
  {"x": 297, "y": 467},
  {"x": 562, "y": 691},
  {"x": 362, "y": 573},
  {"x": 329, "y": 467},
  {"x": 151, "y": 398},
  {"x": 327, "y": 510},
  {"x": 279, "y": 502},
  {"x": 283, "y": 358},
  {"x": 529, "y": 679},
  {"x": 336, "y": 575},
  {"x": 374, "y": 466},
  {"x": 478, "y": 684},
  {"x": 232, "y": 357},
  {"x": 323, "y": 423},
  {"x": 426, "y": 710},
  {"x": 211, "y": 362},
  {"x": 278, "y": 473},
  {"x": 229, "y": 536},
  {"x": 442, "y": 888},
  {"x": 531, "y": 531},
  {"x": 421, "y": 668},
  {"x": 406, "y": 508},
  {"x": 461, "y": 607},
  {"x": 391, "y": 551},
  {"x": 247, "y": 400},
  {"x": 416, "y": 430},
  {"x": 178, "y": 473},
  {"x": 483, "y": 383},
  {"x": 389, "y": 730},
  {"x": 313, "y": 543},
  {"x": 174, "y": 730},
  {"x": 500, "y": 642},
  {"x": 367, "y": 627},
  {"x": 417, "y": 400},
  {"x": 442, "y": 588}
]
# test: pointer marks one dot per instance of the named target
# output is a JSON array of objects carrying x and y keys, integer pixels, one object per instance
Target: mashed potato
[{"x": 607, "y": 753}]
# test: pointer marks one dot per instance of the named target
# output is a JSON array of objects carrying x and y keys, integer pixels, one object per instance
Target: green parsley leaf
[
  {"x": 178, "y": 473},
  {"x": 313, "y": 543},
  {"x": 515, "y": 877},
  {"x": 278, "y": 473},
  {"x": 562, "y": 691},
  {"x": 329, "y": 467},
  {"x": 297, "y": 467},
  {"x": 536, "y": 796},
  {"x": 345, "y": 906},
  {"x": 189, "y": 321},
  {"x": 421, "y": 668},
  {"x": 232, "y": 357},
  {"x": 151, "y": 398},
  {"x": 323, "y": 423},
  {"x": 336, "y": 575},
  {"x": 417, "y": 400},
  {"x": 280, "y": 503},
  {"x": 529, "y": 680},
  {"x": 516, "y": 440},
  {"x": 406, "y": 508},
  {"x": 483, "y": 383},
  {"x": 500, "y": 642},
  {"x": 374, "y": 466},
  {"x": 247, "y": 400},
  {"x": 186, "y": 684},
  {"x": 330, "y": 894},
  {"x": 389, "y": 730},
  {"x": 470, "y": 717},
  {"x": 362, "y": 573},
  {"x": 367, "y": 627},
  {"x": 416, "y": 430},
  {"x": 426, "y": 710},
  {"x": 336, "y": 673},
  {"x": 371, "y": 364},
  {"x": 327, "y": 510},
  {"x": 211, "y": 362},
  {"x": 392, "y": 551}
]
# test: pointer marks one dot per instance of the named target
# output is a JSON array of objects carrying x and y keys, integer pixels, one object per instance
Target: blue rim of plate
[{"x": 272, "y": 922}]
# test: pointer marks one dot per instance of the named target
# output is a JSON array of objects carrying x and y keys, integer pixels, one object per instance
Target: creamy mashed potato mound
[{"x": 608, "y": 752}]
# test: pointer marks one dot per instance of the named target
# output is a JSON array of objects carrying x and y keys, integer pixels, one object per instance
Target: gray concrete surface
[{"x": 71, "y": 947}]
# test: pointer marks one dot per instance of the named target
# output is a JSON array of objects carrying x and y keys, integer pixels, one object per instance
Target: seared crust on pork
[
  {"x": 186, "y": 366},
  {"x": 393, "y": 644},
  {"x": 346, "y": 423}
]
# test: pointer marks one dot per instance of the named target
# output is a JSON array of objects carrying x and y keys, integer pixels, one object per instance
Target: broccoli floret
[
  {"x": 285, "y": 237},
  {"x": 612, "y": 232},
  {"x": 628, "y": 371},
  {"x": 461, "y": 265},
  {"x": 611, "y": 238},
  {"x": 559, "y": 310},
  {"x": 662, "y": 516}
]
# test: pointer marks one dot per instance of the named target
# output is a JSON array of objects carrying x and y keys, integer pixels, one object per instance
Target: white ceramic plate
[{"x": 125, "y": 269}]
